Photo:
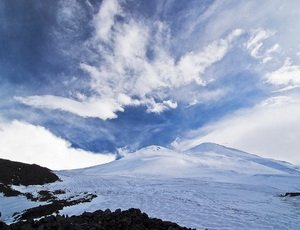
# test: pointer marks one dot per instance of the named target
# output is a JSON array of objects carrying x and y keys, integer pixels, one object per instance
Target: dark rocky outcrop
[
  {"x": 52, "y": 207},
  {"x": 132, "y": 219},
  {"x": 8, "y": 191},
  {"x": 16, "y": 173},
  {"x": 291, "y": 194}
]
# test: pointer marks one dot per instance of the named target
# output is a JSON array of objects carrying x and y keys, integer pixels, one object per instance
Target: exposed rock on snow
[{"x": 291, "y": 194}]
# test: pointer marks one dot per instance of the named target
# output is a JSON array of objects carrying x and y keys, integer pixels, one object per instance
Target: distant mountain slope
[
  {"x": 210, "y": 149},
  {"x": 16, "y": 173},
  {"x": 203, "y": 159}
]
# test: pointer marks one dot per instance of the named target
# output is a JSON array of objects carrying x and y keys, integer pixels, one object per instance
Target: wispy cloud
[
  {"x": 136, "y": 67},
  {"x": 270, "y": 35},
  {"x": 91, "y": 107},
  {"x": 256, "y": 48},
  {"x": 104, "y": 20},
  {"x": 285, "y": 77}
]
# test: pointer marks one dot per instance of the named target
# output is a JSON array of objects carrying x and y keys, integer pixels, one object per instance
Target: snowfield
[{"x": 209, "y": 186}]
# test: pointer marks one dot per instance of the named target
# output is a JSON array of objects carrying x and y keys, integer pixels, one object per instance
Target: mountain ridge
[
  {"x": 276, "y": 164},
  {"x": 206, "y": 157}
]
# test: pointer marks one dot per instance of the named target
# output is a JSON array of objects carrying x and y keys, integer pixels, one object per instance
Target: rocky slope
[{"x": 16, "y": 173}]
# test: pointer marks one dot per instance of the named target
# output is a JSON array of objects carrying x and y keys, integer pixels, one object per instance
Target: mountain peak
[
  {"x": 217, "y": 148},
  {"x": 154, "y": 148}
]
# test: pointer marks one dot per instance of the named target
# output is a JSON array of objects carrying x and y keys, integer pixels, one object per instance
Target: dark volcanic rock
[
  {"x": 3, "y": 226},
  {"x": 17, "y": 173},
  {"x": 291, "y": 194},
  {"x": 53, "y": 207},
  {"x": 132, "y": 219},
  {"x": 8, "y": 191}
]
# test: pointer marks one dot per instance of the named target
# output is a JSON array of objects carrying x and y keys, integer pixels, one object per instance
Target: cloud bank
[
  {"x": 27, "y": 143},
  {"x": 269, "y": 129}
]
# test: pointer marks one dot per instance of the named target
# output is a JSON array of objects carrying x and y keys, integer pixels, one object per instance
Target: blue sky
[{"x": 98, "y": 76}]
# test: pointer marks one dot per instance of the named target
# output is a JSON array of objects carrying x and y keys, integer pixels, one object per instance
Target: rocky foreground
[
  {"x": 16, "y": 173},
  {"x": 132, "y": 219}
]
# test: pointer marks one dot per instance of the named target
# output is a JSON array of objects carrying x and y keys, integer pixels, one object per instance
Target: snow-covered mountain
[
  {"x": 237, "y": 157},
  {"x": 206, "y": 158},
  {"x": 209, "y": 186}
]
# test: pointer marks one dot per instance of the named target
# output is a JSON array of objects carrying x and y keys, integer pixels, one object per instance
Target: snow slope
[
  {"x": 218, "y": 151},
  {"x": 209, "y": 186},
  {"x": 204, "y": 159}
]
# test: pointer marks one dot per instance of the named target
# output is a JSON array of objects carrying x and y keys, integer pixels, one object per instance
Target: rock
[
  {"x": 291, "y": 194},
  {"x": 8, "y": 191},
  {"x": 17, "y": 173},
  {"x": 132, "y": 219}
]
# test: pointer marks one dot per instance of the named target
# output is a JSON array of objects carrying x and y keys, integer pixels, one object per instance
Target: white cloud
[
  {"x": 205, "y": 96},
  {"x": 104, "y": 19},
  {"x": 270, "y": 129},
  {"x": 256, "y": 48},
  {"x": 154, "y": 107},
  {"x": 27, "y": 143},
  {"x": 288, "y": 75},
  {"x": 126, "y": 75},
  {"x": 91, "y": 107},
  {"x": 272, "y": 32},
  {"x": 192, "y": 66}
]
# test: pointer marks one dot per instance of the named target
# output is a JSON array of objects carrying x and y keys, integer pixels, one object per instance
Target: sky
[{"x": 82, "y": 81}]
